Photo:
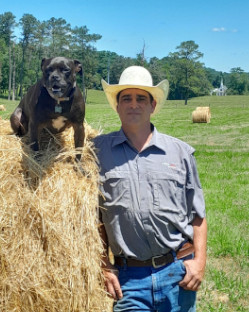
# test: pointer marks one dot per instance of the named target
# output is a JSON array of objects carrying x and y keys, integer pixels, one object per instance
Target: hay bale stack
[
  {"x": 201, "y": 115},
  {"x": 50, "y": 250}
]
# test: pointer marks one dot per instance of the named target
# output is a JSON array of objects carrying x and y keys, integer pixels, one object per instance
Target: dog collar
[{"x": 58, "y": 108}]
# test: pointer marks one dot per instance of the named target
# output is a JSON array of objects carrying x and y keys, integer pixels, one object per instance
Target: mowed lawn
[{"x": 222, "y": 152}]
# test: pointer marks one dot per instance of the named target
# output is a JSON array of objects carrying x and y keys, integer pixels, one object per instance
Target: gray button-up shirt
[{"x": 149, "y": 198}]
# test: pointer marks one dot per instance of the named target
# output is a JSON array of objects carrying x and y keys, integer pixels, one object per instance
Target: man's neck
[{"x": 139, "y": 137}]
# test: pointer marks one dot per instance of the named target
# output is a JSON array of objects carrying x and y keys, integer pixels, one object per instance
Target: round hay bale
[
  {"x": 201, "y": 115},
  {"x": 50, "y": 249}
]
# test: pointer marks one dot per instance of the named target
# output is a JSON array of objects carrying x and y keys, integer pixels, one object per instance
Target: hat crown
[{"x": 136, "y": 75}]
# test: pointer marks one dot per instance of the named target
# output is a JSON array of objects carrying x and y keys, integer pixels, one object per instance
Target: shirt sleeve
[{"x": 194, "y": 192}]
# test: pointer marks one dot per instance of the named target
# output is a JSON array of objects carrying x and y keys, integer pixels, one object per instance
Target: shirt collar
[
  {"x": 119, "y": 138},
  {"x": 155, "y": 140}
]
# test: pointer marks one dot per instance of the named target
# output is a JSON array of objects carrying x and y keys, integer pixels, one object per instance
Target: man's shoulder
[
  {"x": 101, "y": 139},
  {"x": 171, "y": 141}
]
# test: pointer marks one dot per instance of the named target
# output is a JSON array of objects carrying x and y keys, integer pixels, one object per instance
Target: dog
[{"x": 55, "y": 102}]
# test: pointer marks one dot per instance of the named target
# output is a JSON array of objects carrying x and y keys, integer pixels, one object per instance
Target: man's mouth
[{"x": 134, "y": 113}]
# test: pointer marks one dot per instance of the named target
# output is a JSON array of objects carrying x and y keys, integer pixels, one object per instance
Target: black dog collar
[{"x": 58, "y": 108}]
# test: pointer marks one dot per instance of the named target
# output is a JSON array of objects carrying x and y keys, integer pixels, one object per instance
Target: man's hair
[{"x": 151, "y": 97}]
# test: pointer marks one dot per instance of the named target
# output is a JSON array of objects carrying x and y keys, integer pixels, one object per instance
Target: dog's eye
[
  {"x": 66, "y": 71},
  {"x": 48, "y": 70}
]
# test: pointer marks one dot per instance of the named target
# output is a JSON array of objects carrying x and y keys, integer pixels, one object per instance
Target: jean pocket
[{"x": 182, "y": 265}]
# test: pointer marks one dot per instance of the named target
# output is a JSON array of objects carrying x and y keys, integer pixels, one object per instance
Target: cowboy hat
[{"x": 136, "y": 77}]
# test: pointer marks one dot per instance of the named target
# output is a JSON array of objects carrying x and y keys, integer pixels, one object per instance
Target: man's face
[{"x": 135, "y": 106}]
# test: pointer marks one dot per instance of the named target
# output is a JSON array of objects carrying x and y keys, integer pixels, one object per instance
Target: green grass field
[{"x": 222, "y": 152}]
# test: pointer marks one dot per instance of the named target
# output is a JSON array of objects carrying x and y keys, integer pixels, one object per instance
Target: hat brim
[{"x": 158, "y": 92}]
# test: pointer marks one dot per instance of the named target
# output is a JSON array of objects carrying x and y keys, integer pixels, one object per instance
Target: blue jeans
[{"x": 157, "y": 290}]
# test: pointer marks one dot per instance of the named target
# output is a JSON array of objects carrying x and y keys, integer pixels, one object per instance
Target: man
[{"x": 152, "y": 207}]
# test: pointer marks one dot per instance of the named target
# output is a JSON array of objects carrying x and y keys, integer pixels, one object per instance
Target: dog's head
[{"x": 59, "y": 75}]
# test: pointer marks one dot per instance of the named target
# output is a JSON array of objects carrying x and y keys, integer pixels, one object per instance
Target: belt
[{"x": 157, "y": 261}]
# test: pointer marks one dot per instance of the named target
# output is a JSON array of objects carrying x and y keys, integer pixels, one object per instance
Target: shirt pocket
[
  {"x": 169, "y": 193},
  {"x": 115, "y": 187}
]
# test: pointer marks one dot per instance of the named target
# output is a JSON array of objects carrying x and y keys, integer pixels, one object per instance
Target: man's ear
[{"x": 153, "y": 105}]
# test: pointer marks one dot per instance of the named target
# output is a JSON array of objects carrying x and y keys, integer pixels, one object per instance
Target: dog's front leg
[
  {"x": 79, "y": 137},
  {"x": 34, "y": 135},
  {"x": 19, "y": 122}
]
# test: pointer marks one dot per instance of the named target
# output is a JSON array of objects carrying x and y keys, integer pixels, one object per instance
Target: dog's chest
[{"x": 59, "y": 123}]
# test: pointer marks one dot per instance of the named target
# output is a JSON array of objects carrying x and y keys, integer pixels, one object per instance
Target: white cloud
[
  {"x": 223, "y": 29},
  {"x": 219, "y": 29}
]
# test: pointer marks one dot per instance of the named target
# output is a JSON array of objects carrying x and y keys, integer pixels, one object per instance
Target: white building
[{"x": 221, "y": 91}]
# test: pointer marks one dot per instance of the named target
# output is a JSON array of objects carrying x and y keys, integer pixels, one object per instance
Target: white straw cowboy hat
[{"x": 140, "y": 78}]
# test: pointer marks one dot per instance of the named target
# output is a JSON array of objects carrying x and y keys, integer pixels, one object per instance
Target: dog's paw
[{"x": 79, "y": 168}]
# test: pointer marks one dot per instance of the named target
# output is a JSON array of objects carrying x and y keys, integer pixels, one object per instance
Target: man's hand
[
  {"x": 110, "y": 272},
  {"x": 112, "y": 282},
  {"x": 195, "y": 268},
  {"x": 194, "y": 275}
]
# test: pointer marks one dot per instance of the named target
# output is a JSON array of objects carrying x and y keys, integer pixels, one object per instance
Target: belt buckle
[
  {"x": 156, "y": 266},
  {"x": 168, "y": 259}
]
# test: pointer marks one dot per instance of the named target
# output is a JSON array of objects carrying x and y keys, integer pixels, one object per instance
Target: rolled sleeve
[{"x": 195, "y": 197}]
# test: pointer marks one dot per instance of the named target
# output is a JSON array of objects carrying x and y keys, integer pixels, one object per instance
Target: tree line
[{"x": 21, "y": 56}]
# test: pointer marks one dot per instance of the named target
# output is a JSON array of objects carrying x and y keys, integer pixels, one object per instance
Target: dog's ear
[
  {"x": 78, "y": 66},
  {"x": 42, "y": 63}
]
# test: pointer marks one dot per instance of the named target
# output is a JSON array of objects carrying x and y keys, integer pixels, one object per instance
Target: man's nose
[{"x": 134, "y": 103}]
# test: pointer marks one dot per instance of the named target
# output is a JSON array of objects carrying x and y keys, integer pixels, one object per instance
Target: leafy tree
[
  {"x": 111, "y": 65},
  {"x": 41, "y": 41},
  {"x": 82, "y": 48},
  {"x": 214, "y": 77},
  {"x": 3, "y": 48},
  {"x": 159, "y": 69},
  {"x": 59, "y": 37},
  {"x": 7, "y": 23},
  {"x": 21, "y": 58},
  {"x": 29, "y": 26},
  {"x": 238, "y": 81},
  {"x": 187, "y": 69}
]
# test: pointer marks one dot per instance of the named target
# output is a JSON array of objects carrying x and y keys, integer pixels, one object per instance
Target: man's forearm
[
  {"x": 200, "y": 239},
  {"x": 105, "y": 258},
  {"x": 195, "y": 268},
  {"x": 109, "y": 271}
]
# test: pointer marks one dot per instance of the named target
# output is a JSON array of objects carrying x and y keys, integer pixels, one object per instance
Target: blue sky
[{"x": 219, "y": 27}]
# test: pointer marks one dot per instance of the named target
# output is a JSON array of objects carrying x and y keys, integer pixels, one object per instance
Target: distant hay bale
[
  {"x": 2, "y": 108},
  {"x": 201, "y": 115},
  {"x": 50, "y": 249}
]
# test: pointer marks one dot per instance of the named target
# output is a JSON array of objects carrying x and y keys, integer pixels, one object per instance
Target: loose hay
[
  {"x": 201, "y": 115},
  {"x": 50, "y": 250},
  {"x": 2, "y": 108}
]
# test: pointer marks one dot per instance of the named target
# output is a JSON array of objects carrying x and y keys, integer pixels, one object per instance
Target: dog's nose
[{"x": 55, "y": 76}]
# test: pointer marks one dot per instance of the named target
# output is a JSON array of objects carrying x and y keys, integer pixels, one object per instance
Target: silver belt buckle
[{"x": 156, "y": 266}]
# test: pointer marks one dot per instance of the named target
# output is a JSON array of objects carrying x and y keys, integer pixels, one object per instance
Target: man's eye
[
  {"x": 141, "y": 99},
  {"x": 126, "y": 99}
]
